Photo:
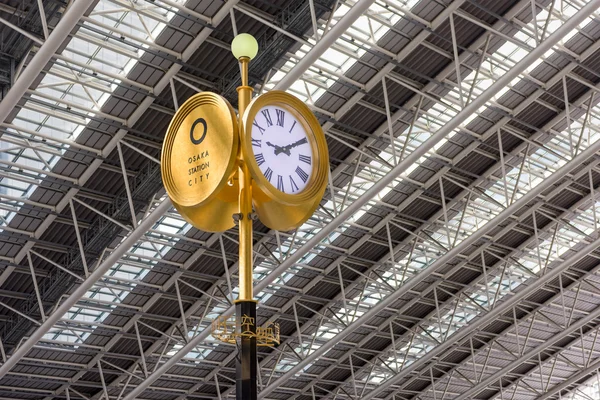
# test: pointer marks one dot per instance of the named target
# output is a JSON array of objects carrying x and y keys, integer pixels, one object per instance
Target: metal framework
[{"x": 454, "y": 256}]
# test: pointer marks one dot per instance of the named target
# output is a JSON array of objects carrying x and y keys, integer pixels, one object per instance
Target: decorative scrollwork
[
  {"x": 268, "y": 335},
  {"x": 224, "y": 329}
]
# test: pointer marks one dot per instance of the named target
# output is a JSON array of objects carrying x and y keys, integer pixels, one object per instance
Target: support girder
[{"x": 492, "y": 269}]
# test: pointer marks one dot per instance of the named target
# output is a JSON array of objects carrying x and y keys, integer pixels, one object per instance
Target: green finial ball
[{"x": 244, "y": 45}]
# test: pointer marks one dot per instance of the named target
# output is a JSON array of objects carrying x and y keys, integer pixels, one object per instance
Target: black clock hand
[
  {"x": 286, "y": 149},
  {"x": 295, "y": 144},
  {"x": 278, "y": 149},
  {"x": 283, "y": 150}
]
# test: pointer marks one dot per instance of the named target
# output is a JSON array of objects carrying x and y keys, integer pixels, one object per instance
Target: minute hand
[{"x": 286, "y": 149}]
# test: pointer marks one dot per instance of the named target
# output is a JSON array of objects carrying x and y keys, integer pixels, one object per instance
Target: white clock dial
[{"x": 282, "y": 149}]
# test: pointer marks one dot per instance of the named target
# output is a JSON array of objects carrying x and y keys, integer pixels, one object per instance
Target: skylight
[{"x": 83, "y": 77}]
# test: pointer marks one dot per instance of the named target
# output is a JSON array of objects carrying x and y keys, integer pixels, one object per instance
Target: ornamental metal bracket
[{"x": 223, "y": 329}]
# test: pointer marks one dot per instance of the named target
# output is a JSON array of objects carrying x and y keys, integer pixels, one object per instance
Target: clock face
[{"x": 282, "y": 149}]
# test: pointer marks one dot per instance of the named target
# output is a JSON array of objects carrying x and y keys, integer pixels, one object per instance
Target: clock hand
[
  {"x": 286, "y": 149},
  {"x": 283, "y": 150},
  {"x": 278, "y": 149},
  {"x": 296, "y": 144}
]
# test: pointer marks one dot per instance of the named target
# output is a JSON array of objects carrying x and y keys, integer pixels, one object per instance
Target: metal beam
[
  {"x": 44, "y": 54},
  {"x": 80, "y": 292},
  {"x": 325, "y": 43},
  {"x": 488, "y": 318},
  {"x": 573, "y": 379},
  {"x": 405, "y": 338},
  {"x": 471, "y": 393},
  {"x": 548, "y": 126},
  {"x": 441, "y": 262},
  {"x": 561, "y": 355}
]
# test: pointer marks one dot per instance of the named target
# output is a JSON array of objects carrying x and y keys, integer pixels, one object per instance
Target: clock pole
[{"x": 244, "y": 47}]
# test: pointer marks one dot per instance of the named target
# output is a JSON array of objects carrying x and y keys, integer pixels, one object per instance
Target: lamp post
[
  {"x": 244, "y": 47},
  {"x": 211, "y": 171}
]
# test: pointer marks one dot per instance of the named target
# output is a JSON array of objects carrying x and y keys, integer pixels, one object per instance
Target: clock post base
[{"x": 246, "y": 363}]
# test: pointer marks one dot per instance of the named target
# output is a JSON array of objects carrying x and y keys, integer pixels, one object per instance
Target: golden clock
[{"x": 286, "y": 153}]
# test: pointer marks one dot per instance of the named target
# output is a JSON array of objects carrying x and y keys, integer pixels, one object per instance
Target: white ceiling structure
[{"x": 455, "y": 254}]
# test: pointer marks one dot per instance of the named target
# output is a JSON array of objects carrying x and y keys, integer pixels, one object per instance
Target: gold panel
[
  {"x": 199, "y": 150},
  {"x": 198, "y": 162},
  {"x": 215, "y": 215},
  {"x": 278, "y": 210},
  {"x": 283, "y": 217}
]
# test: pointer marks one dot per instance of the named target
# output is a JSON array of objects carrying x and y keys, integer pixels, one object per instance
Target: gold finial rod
[
  {"x": 244, "y": 61},
  {"x": 244, "y": 91},
  {"x": 245, "y": 199}
]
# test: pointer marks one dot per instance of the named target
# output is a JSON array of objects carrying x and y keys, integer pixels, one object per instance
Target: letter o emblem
[{"x": 196, "y": 122}]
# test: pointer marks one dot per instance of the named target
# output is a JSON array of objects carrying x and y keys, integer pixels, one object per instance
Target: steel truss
[{"x": 386, "y": 288}]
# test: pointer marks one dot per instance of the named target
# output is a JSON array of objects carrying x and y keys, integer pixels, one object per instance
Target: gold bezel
[
  {"x": 224, "y": 112},
  {"x": 318, "y": 178}
]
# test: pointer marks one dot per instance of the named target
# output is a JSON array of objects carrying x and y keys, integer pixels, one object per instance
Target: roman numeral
[
  {"x": 280, "y": 183},
  {"x": 306, "y": 159},
  {"x": 260, "y": 159},
  {"x": 280, "y": 117},
  {"x": 269, "y": 174},
  {"x": 293, "y": 184},
  {"x": 267, "y": 116},
  {"x": 293, "y": 125},
  {"x": 256, "y": 142},
  {"x": 262, "y": 130},
  {"x": 303, "y": 175}
]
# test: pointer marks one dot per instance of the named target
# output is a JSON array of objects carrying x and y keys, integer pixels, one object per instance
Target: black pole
[{"x": 246, "y": 367}]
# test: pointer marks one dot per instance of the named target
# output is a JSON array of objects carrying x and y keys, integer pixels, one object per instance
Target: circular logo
[{"x": 204, "y": 129}]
